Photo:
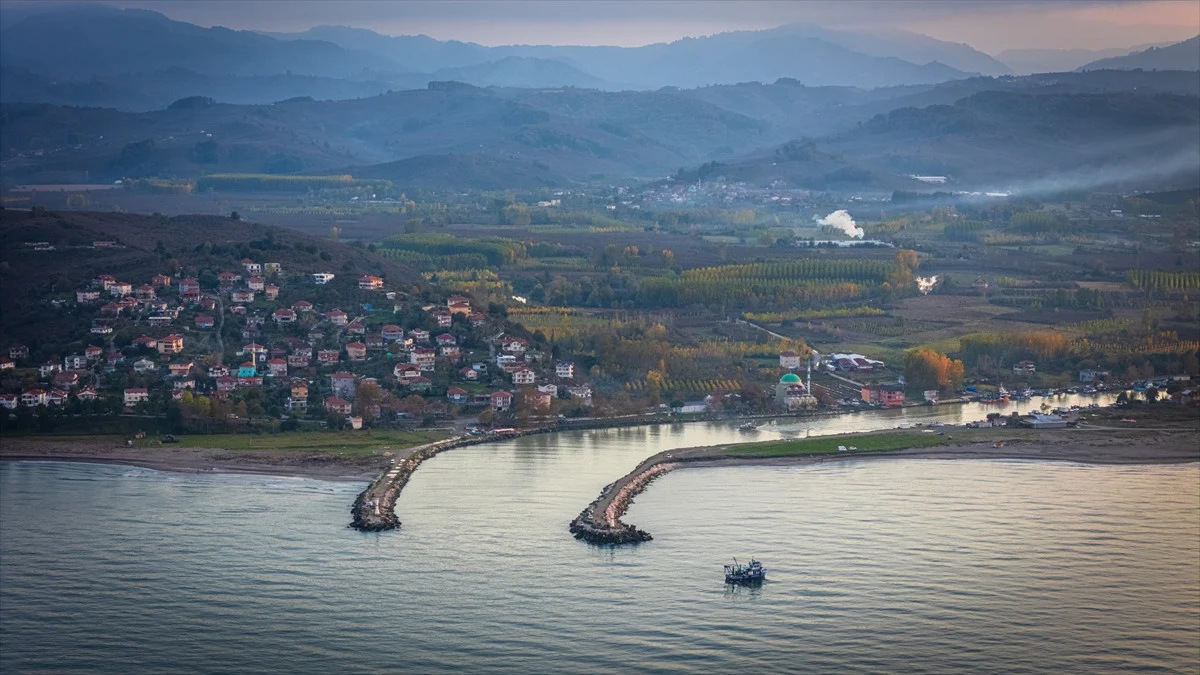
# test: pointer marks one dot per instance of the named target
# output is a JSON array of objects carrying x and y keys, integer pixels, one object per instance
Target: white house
[
  {"x": 523, "y": 376},
  {"x": 136, "y": 395},
  {"x": 789, "y": 360},
  {"x": 322, "y": 278},
  {"x": 565, "y": 370}
]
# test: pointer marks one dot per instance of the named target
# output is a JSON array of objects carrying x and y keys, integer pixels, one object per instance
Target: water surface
[{"x": 876, "y": 566}]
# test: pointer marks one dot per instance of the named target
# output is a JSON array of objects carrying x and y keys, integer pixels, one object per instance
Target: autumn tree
[{"x": 926, "y": 369}]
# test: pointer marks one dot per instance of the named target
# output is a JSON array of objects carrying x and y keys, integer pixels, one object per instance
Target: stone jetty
[{"x": 600, "y": 522}]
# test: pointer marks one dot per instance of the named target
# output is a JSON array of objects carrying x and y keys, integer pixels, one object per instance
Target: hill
[
  {"x": 75, "y": 41},
  {"x": 998, "y": 141},
  {"x": 1179, "y": 56},
  {"x": 147, "y": 246}
]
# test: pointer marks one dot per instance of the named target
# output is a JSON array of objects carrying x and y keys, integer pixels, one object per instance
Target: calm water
[{"x": 886, "y": 566}]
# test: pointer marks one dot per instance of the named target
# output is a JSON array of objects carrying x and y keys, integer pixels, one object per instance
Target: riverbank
[{"x": 600, "y": 522}]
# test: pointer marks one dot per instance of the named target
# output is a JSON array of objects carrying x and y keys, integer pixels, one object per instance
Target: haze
[{"x": 989, "y": 26}]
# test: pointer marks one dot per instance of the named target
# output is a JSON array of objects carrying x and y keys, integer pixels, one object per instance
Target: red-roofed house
[
  {"x": 256, "y": 283},
  {"x": 205, "y": 321},
  {"x": 283, "y": 316},
  {"x": 370, "y": 283},
  {"x": 391, "y": 332},
  {"x": 329, "y": 357},
  {"x": 337, "y": 405},
  {"x": 171, "y": 344},
  {"x": 457, "y": 395},
  {"x": 357, "y": 351},
  {"x": 277, "y": 367},
  {"x": 135, "y": 395},
  {"x": 501, "y": 401}
]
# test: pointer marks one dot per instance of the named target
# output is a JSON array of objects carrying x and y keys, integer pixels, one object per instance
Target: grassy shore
[
  {"x": 879, "y": 442},
  {"x": 342, "y": 443}
]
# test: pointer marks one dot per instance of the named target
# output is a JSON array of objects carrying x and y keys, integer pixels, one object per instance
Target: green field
[
  {"x": 345, "y": 443},
  {"x": 891, "y": 440}
]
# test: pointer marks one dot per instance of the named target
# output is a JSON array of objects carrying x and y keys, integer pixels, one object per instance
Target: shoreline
[
  {"x": 600, "y": 521},
  {"x": 191, "y": 460}
]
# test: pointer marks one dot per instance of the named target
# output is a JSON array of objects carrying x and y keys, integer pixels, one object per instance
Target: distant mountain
[
  {"x": 1028, "y": 61},
  {"x": 521, "y": 71},
  {"x": 810, "y": 54},
  {"x": 94, "y": 40},
  {"x": 157, "y": 90},
  {"x": 1179, "y": 56}
]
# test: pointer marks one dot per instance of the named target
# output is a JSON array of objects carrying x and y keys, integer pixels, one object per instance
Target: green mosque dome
[{"x": 790, "y": 378}]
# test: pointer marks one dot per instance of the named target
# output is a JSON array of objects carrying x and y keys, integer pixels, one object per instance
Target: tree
[{"x": 926, "y": 369}]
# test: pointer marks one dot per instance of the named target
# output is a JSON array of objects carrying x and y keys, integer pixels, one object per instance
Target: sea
[{"x": 875, "y": 566}]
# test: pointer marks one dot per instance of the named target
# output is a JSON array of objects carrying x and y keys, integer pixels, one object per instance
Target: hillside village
[{"x": 300, "y": 354}]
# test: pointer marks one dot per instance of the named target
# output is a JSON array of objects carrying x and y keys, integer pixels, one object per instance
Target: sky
[{"x": 988, "y": 25}]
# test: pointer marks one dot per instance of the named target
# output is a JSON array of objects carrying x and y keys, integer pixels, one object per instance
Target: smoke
[{"x": 842, "y": 221}]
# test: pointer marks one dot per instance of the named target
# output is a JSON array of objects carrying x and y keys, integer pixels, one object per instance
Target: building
[
  {"x": 272, "y": 268},
  {"x": 277, "y": 367},
  {"x": 145, "y": 292},
  {"x": 226, "y": 383},
  {"x": 186, "y": 285},
  {"x": 791, "y": 393},
  {"x": 281, "y": 316},
  {"x": 1092, "y": 375},
  {"x": 302, "y": 306},
  {"x": 356, "y": 328},
  {"x": 242, "y": 296},
  {"x": 87, "y": 296},
  {"x": 931, "y": 395},
  {"x": 10, "y": 401},
  {"x": 329, "y": 357},
  {"x": 565, "y": 370},
  {"x": 322, "y": 278},
  {"x": 251, "y": 267},
  {"x": 419, "y": 335},
  {"x": 171, "y": 344},
  {"x": 515, "y": 345},
  {"x": 144, "y": 366},
  {"x": 423, "y": 358},
  {"x": 460, "y": 308},
  {"x": 539, "y": 399},
  {"x": 457, "y": 395},
  {"x": 337, "y": 405},
  {"x": 551, "y": 389},
  {"x": 297, "y": 360},
  {"x": 1024, "y": 368},
  {"x": 75, "y": 362},
  {"x": 789, "y": 360},
  {"x": 370, "y": 283},
  {"x": 227, "y": 279},
  {"x": 336, "y": 317},
  {"x": 583, "y": 393},
  {"x": 48, "y": 368},
  {"x": 468, "y": 373},
  {"x": 93, "y": 352},
  {"x": 343, "y": 384},
  {"x": 205, "y": 321},
  {"x": 65, "y": 380},
  {"x": 522, "y": 376},
  {"x": 406, "y": 371},
  {"x": 357, "y": 351},
  {"x": 443, "y": 318},
  {"x": 119, "y": 289},
  {"x": 391, "y": 333},
  {"x": 501, "y": 401},
  {"x": 181, "y": 369},
  {"x": 271, "y": 291},
  {"x": 256, "y": 283},
  {"x": 160, "y": 280},
  {"x": 136, "y": 395},
  {"x": 445, "y": 339},
  {"x": 883, "y": 394}
]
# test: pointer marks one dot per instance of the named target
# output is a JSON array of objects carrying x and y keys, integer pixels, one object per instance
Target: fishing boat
[
  {"x": 745, "y": 574},
  {"x": 747, "y": 428}
]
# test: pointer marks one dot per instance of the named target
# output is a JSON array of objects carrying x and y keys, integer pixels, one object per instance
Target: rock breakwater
[{"x": 600, "y": 522}]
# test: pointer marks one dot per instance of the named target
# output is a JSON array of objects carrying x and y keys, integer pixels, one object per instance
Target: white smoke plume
[{"x": 842, "y": 221}]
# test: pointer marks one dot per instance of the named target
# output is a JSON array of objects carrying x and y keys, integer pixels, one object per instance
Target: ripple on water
[{"x": 901, "y": 566}]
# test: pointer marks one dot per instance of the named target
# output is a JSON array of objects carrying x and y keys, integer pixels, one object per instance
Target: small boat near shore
[
  {"x": 748, "y": 428},
  {"x": 745, "y": 574}
]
